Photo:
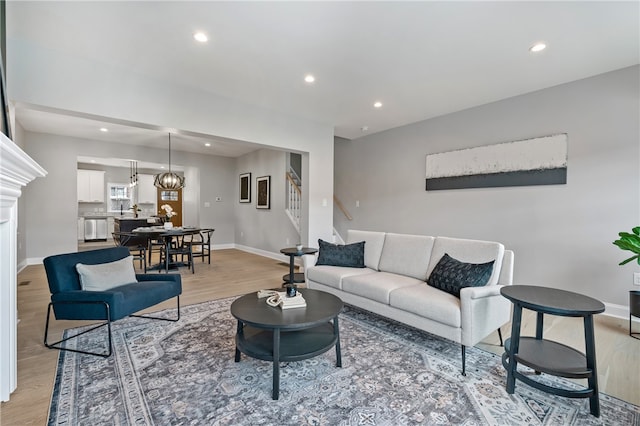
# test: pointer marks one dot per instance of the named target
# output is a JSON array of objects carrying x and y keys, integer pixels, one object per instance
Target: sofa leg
[
  {"x": 464, "y": 361},
  {"x": 500, "y": 336}
]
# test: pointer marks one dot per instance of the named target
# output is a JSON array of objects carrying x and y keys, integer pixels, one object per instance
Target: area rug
[{"x": 164, "y": 373}]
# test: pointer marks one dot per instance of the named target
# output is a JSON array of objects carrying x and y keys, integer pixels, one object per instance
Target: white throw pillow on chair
[{"x": 105, "y": 276}]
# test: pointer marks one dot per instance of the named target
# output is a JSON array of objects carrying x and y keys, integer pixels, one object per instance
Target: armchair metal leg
[
  {"x": 56, "y": 345},
  {"x": 500, "y": 336},
  {"x": 162, "y": 319}
]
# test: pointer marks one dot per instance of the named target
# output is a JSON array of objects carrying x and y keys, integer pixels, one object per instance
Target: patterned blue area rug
[{"x": 184, "y": 373}]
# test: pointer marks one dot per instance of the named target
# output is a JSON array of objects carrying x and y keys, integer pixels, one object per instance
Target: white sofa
[{"x": 393, "y": 284}]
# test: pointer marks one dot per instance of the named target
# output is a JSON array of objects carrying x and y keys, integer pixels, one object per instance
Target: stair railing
[{"x": 294, "y": 200}]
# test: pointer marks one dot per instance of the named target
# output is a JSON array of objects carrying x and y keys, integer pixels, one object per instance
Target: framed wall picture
[
  {"x": 245, "y": 188},
  {"x": 263, "y": 192}
]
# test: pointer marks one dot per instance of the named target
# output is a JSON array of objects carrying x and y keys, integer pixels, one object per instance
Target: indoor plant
[
  {"x": 631, "y": 242},
  {"x": 169, "y": 213}
]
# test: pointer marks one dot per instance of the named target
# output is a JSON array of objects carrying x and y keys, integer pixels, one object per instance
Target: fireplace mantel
[{"x": 17, "y": 169}]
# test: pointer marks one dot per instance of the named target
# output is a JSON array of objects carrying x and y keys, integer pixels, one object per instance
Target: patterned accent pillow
[
  {"x": 451, "y": 275},
  {"x": 350, "y": 255}
]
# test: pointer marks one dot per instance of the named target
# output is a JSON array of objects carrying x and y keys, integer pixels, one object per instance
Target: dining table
[{"x": 167, "y": 236}]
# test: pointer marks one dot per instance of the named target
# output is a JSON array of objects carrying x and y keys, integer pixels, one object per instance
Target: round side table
[
  {"x": 547, "y": 356},
  {"x": 292, "y": 252}
]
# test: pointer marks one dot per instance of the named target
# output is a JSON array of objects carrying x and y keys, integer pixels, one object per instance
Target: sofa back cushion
[
  {"x": 406, "y": 255},
  {"x": 470, "y": 251},
  {"x": 374, "y": 241}
]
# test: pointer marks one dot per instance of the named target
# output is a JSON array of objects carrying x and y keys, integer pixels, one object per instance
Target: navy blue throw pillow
[
  {"x": 451, "y": 275},
  {"x": 350, "y": 255}
]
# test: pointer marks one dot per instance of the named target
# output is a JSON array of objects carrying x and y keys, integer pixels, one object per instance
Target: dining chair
[
  {"x": 201, "y": 244},
  {"x": 174, "y": 248},
  {"x": 135, "y": 245}
]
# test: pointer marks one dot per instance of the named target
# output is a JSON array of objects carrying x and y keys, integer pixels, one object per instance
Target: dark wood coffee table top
[{"x": 321, "y": 307}]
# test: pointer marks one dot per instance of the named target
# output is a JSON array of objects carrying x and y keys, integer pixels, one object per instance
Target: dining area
[{"x": 162, "y": 249}]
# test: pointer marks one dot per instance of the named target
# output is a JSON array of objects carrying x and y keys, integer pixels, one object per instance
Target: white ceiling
[{"x": 420, "y": 59}]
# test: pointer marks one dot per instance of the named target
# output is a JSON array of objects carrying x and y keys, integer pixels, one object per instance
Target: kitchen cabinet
[
  {"x": 146, "y": 190},
  {"x": 90, "y": 186}
]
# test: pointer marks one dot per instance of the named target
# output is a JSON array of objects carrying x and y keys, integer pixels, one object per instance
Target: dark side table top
[
  {"x": 552, "y": 300},
  {"x": 292, "y": 251}
]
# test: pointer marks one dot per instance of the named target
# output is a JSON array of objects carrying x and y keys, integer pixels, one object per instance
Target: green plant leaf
[
  {"x": 624, "y": 262},
  {"x": 636, "y": 230}
]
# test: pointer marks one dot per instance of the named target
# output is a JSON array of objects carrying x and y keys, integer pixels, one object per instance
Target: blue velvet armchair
[{"x": 70, "y": 302}]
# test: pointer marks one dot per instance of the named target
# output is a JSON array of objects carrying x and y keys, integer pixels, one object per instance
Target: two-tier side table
[
  {"x": 292, "y": 252},
  {"x": 546, "y": 356}
]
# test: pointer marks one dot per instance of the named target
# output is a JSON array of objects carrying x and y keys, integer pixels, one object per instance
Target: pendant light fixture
[
  {"x": 170, "y": 180},
  {"x": 133, "y": 171}
]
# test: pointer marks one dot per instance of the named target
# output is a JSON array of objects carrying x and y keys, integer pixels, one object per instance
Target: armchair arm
[
  {"x": 483, "y": 310},
  {"x": 79, "y": 296},
  {"x": 159, "y": 277}
]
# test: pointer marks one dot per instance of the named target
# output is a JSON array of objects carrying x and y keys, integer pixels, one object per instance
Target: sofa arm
[
  {"x": 309, "y": 260},
  {"x": 483, "y": 310}
]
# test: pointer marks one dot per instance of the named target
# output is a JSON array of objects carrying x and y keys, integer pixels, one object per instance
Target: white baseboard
[
  {"x": 271, "y": 255},
  {"x": 617, "y": 311}
]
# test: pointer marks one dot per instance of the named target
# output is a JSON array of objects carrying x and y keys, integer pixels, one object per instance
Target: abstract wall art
[
  {"x": 538, "y": 161},
  {"x": 245, "y": 188},
  {"x": 263, "y": 192}
]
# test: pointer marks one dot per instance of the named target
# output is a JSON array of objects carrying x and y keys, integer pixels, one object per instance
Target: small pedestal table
[{"x": 546, "y": 356}]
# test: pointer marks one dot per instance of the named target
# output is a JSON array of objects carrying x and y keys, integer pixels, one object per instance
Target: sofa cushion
[
  {"x": 406, "y": 254},
  {"x": 349, "y": 255},
  {"x": 471, "y": 251},
  {"x": 332, "y": 275},
  {"x": 451, "y": 275},
  {"x": 377, "y": 286},
  {"x": 428, "y": 302},
  {"x": 373, "y": 247},
  {"x": 105, "y": 276}
]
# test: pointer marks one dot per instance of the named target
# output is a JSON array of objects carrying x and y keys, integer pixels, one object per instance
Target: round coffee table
[{"x": 275, "y": 334}]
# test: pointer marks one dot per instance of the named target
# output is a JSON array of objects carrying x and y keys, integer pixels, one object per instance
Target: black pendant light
[{"x": 169, "y": 180}]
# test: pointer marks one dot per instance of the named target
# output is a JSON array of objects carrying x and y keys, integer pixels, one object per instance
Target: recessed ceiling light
[
  {"x": 377, "y": 104},
  {"x": 207, "y": 144},
  {"x": 93, "y": 161},
  {"x": 162, "y": 167},
  {"x": 364, "y": 128},
  {"x": 104, "y": 129},
  {"x": 200, "y": 36},
  {"x": 538, "y": 47},
  {"x": 309, "y": 78}
]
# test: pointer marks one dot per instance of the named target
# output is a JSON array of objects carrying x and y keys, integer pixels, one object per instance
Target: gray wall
[
  {"x": 50, "y": 206},
  {"x": 561, "y": 234},
  {"x": 266, "y": 230}
]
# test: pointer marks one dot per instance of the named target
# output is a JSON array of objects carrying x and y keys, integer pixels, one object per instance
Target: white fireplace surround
[{"x": 17, "y": 169}]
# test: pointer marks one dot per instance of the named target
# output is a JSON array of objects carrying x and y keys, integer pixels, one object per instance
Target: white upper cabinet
[
  {"x": 90, "y": 186},
  {"x": 147, "y": 193}
]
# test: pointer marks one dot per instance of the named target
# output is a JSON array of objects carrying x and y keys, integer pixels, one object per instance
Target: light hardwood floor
[{"x": 232, "y": 273}]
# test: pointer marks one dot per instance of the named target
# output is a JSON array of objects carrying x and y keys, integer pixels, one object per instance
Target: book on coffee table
[{"x": 281, "y": 299}]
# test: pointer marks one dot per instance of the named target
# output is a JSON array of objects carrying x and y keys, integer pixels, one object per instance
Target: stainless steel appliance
[{"x": 95, "y": 229}]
